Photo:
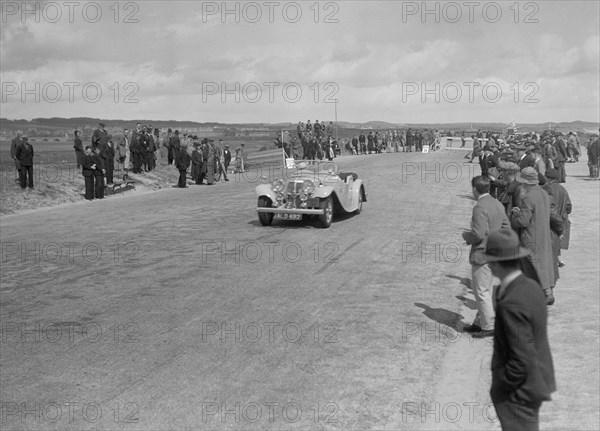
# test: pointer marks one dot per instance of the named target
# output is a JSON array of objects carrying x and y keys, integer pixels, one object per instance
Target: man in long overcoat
[{"x": 531, "y": 220}]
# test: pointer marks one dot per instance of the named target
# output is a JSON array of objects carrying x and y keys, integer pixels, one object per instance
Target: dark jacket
[
  {"x": 107, "y": 151},
  {"x": 99, "y": 165},
  {"x": 13, "y": 146},
  {"x": 183, "y": 160},
  {"x": 522, "y": 367},
  {"x": 86, "y": 163},
  {"x": 78, "y": 145},
  {"x": 227, "y": 157},
  {"x": 24, "y": 154},
  {"x": 99, "y": 137}
]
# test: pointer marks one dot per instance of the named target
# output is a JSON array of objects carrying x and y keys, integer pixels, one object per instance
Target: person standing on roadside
[
  {"x": 88, "y": 165},
  {"x": 100, "y": 136},
  {"x": 488, "y": 215},
  {"x": 522, "y": 366},
  {"x": 182, "y": 163},
  {"x": 530, "y": 218},
  {"x": 78, "y": 145},
  {"x": 99, "y": 172},
  {"x": 24, "y": 156},
  {"x": 13, "y": 148}
]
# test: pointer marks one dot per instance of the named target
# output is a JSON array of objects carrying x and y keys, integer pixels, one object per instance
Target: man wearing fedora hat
[
  {"x": 531, "y": 220},
  {"x": 488, "y": 215},
  {"x": 522, "y": 366}
]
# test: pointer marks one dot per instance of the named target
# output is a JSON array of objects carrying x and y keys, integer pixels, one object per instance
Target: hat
[
  {"x": 510, "y": 167},
  {"x": 551, "y": 173},
  {"x": 529, "y": 176},
  {"x": 503, "y": 244},
  {"x": 102, "y": 124},
  {"x": 520, "y": 147},
  {"x": 177, "y": 132}
]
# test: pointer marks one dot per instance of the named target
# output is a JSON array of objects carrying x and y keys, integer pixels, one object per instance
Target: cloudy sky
[{"x": 275, "y": 61}]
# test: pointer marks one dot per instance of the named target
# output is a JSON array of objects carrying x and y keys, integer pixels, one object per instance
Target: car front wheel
[
  {"x": 360, "y": 201},
  {"x": 325, "y": 219},
  {"x": 265, "y": 218}
]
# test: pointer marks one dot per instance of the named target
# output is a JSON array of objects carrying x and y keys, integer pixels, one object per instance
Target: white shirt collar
[{"x": 509, "y": 279}]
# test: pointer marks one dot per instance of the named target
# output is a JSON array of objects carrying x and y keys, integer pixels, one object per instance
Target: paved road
[{"x": 177, "y": 310}]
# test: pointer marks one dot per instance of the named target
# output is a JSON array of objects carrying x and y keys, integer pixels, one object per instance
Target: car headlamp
[
  {"x": 308, "y": 186},
  {"x": 303, "y": 197},
  {"x": 278, "y": 186}
]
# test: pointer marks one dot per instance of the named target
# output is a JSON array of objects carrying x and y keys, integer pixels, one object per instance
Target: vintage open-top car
[{"x": 310, "y": 190}]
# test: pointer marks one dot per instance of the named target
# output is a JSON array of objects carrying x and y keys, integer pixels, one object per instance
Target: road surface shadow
[
  {"x": 463, "y": 280},
  {"x": 442, "y": 316},
  {"x": 469, "y": 303}
]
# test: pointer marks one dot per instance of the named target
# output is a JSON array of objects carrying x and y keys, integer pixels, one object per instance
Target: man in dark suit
[
  {"x": 488, "y": 215},
  {"x": 182, "y": 163},
  {"x": 137, "y": 152},
  {"x": 78, "y": 146},
  {"x": 593, "y": 153},
  {"x": 88, "y": 166},
  {"x": 99, "y": 137},
  {"x": 522, "y": 367},
  {"x": 522, "y": 158},
  {"x": 561, "y": 158},
  {"x": 13, "y": 148},
  {"x": 175, "y": 146},
  {"x": 107, "y": 152},
  {"x": 24, "y": 154},
  {"x": 226, "y": 157},
  {"x": 99, "y": 173}
]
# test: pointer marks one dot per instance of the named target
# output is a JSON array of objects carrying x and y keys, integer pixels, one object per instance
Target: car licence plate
[{"x": 286, "y": 216}]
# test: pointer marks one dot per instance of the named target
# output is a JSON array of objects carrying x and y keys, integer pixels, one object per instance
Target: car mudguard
[
  {"x": 322, "y": 192},
  {"x": 266, "y": 190}
]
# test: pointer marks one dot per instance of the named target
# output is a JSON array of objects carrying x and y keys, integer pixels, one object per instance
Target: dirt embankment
[{"x": 55, "y": 185}]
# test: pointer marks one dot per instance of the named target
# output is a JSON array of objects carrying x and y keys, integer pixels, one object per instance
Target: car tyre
[
  {"x": 326, "y": 218},
  {"x": 265, "y": 219},
  {"x": 360, "y": 201}
]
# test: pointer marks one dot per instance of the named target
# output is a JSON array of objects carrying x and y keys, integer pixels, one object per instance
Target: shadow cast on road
[
  {"x": 442, "y": 316},
  {"x": 463, "y": 280},
  {"x": 469, "y": 303}
]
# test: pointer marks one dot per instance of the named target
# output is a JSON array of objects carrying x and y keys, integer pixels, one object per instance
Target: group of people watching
[
  {"x": 393, "y": 141},
  {"x": 524, "y": 175},
  {"x": 317, "y": 141},
  {"x": 138, "y": 151}
]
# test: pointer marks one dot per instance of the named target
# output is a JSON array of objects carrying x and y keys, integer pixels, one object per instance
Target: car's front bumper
[{"x": 283, "y": 210}]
